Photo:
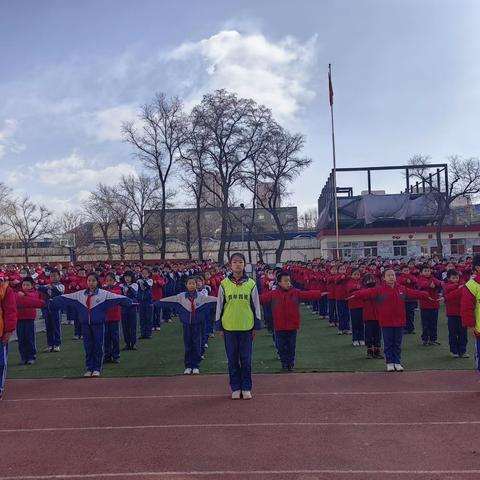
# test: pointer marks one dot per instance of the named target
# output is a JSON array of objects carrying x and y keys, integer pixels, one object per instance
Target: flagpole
[{"x": 334, "y": 162}]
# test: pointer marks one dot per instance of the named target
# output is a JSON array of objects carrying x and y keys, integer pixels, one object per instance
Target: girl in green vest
[{"x": 238, "y": 316}]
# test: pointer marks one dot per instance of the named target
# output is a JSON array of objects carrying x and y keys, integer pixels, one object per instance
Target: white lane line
[
  {"x": 243, "y": 473},
  {"x": 275, "y": 394},
  {"x": 239, "y": 425}
]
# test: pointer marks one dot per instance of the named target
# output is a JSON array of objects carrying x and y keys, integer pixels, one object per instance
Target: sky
[{"x": 406, "y": 80}]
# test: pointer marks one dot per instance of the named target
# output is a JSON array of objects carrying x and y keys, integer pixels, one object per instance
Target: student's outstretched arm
[
  {"x": 113, "y": 299},
  {"x": 311, "y": 294}
]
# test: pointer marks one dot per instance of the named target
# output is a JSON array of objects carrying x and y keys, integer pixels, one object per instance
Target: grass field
[{"x": 319, "y": 349}]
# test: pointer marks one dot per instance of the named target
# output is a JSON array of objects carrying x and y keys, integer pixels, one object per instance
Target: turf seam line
[
  {"x": 273, "y": 394},
  {"x": 239, "y": 425},
  {"x": 245, "y": 473}
]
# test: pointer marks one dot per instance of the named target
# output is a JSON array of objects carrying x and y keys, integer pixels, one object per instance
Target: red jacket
[
  {"x": 114, "y": 314},
  {"x": 467, "y": 307},
  {"x": 285, "y": 309},
  {"x": 423, "y": 284},
  {"x": 157, "y": 288},
  {"x": 341, "y": 292},
  {"x": 27, "y": 305},
  {"x": 390, "y": 303},
  {"x": 9, "y": 310},
  {"x": 452, "y": 293},
  {"x": 352, "y": 287},
  {"x": 331, "y": 289}
]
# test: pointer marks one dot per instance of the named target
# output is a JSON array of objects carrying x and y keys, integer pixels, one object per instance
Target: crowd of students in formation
[{"x": 370, "y": 301}]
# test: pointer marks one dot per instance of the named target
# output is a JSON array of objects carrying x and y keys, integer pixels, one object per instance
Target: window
[
  {"x": 457, "y": 246},
  {"x": 346, "y": 250},
  {"x": 399, "y": 248},
  {"x": 424, "y": 250},
  {"x": 261, "y": 216},
  {"x": 370, "y": 249}
]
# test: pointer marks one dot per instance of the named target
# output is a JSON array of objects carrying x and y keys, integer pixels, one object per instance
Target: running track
[{"x": 363, "y": 426}]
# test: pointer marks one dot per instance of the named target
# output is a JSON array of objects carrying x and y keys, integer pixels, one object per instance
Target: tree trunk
[
  {"x": 107, "y": 241},
  {"x": 188, "y": 239},
  {"x": 260, "y": 251},
  {"x": 120, "y": 241},
  {"x": 223, "y": 235},
  {"x": 199, "y": 230},
  {"x": 163, "y": 242},
  {"x": 281, "y": 233},
  {"x": 25, "y": 250}
]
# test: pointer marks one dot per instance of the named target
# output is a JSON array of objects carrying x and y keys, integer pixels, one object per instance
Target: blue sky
[{"x": 406, "y": 81}]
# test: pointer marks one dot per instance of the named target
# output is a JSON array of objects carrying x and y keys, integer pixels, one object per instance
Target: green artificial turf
[{"x": 319, "y": 349}]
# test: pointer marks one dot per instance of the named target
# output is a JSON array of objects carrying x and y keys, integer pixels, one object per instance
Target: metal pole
[{"x": 334, "y": 164}]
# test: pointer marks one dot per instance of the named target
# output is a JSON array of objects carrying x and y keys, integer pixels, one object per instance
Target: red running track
[{"x": 303, "y": 426}]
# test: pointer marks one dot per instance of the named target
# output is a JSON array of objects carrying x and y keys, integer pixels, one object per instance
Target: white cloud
[
  {"x": 76, "y": 172},
  {"x": 106, "y": 124},
  {"x": 276, "y": 74},
  {"x": 7, "y": 140}
]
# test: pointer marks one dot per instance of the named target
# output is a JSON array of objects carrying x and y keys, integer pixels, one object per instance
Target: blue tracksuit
[
  {"x": 145, "y": 308},
  {"x": 52, "y": 316},
  {"x": 129, "y": 315},
  {"x": 92, "y": 309},
  {"x": 3, "y": 366},
  {"x": 192, "y": 309},
  {"x": 169, "y": 290}
]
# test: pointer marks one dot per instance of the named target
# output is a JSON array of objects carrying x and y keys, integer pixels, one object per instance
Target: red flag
[{"x": 330, "y": 87}]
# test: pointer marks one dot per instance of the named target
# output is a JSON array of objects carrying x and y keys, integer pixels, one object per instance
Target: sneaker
[
  {"x": 48, "y": 350},
  {"x": 347, "y": 332},
  {"x": 425, "y": 344},
  {"x": 246, "y": 394},
  {"x": 116, "y": 360},
  {"x": 236, "y": 395},
  {"x": 331, "y": 325},
  {"x": 390, "y": 367},
  {"x": 356, "y": 344},
  {"x": 133, "y": 347},
  {"x": 187, "y": 371},
  {"x": 206, "y": 345},
  {"x": 362, "y": 343},
  {"x": 196, "y": 371},
  {"x": 95, "y": 373},
  {"x": 211, "y": 335},
  {"x": 464, "y": 355},
  {"x": 290, "y": 368},
  {"x": 56, "y": 349},
  {"x": 30, "y": 362},
  {"x": 88, "y": 373},
  {"x": 203, "y": 357},
  {"x": 435, "y": 343},
  {"x": 107, "y": 360},
  {"x": 454, "y": 355},
  {"x": 339, "y": 332},
  {"x": 398, "y": 367}
]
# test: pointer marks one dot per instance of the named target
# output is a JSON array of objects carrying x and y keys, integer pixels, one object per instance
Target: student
[
  {"x": 129, "y": 312},
  {"x": 332, "y": 299},
  {"x": 92, "y": 305},
  {"x": 79, "y": 283},
  {"x": 8, "y": 321},
  {"x": 355, "y": 307},
  {"x": 389, "y": 302},
  {"x": 429, "y": 306},
  {"x": 470, "y": 306},
  {"x": 341, "y": 280},
  {"x": 28, "y": 301},
  {"x": 52, "y": 316},
  {"x": 191, "y": 307},
  {"x": 112, "y": 326},
  {"x": 238, "y": 315},
  {"x": 457, "y": 334},
  {"x": 157, "y": 294},
  {"x": 373, "y": 333},
  {"x": 203, "y": 289},
  {"x": 407, "y": 279},
  {"x": 145, "y": 284},
  {"x": 284, "y": 301}
]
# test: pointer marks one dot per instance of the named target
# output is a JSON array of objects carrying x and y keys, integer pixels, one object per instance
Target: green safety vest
[
  {"x": 474, "y": 289},
  {"x": 237, "y": 310}
]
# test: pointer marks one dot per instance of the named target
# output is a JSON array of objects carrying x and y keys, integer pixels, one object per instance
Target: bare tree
[
  {"x": 111, "y": 199},
  {"x": 308, "y": 219},
  {"x": 235, "y": 132},
  {"x": 158, "y": 142},
  {"x": 464, "y": 181},
  {"x": 28, "y": 221},
  {"x": 69, "y": 226},
  {"x": 97, "y": 211},
  {"x": 139, "y": 195}
]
